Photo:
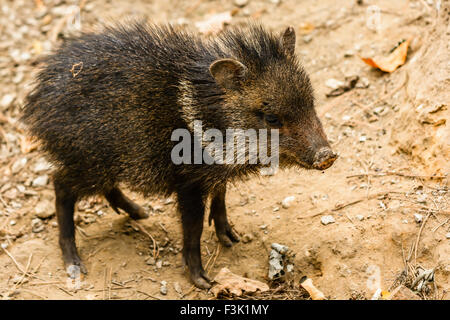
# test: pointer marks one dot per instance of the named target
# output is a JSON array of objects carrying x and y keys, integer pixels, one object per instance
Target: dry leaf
[
  {"x": 306, "y": 28},
  {"x": 228, "y": 282},
  {"x": 214, "y": 23},
  {"x": 392, "y": 61}
]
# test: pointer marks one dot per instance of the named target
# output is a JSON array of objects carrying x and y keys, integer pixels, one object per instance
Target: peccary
[{"x": 105, "y": 106}]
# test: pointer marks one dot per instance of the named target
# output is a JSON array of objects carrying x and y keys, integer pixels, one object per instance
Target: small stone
[
  {"x": 159, "y": 264},
  {"x": 40, "y": 181},
  {"x": 163, "y": 288},
  {"x": 422, "y": 198},
  {"x": 4, "y": 245},
  {"x": 19, "y": 165},
  {"x": 280, "y": 248},
  {"x": 276, "y": 209},
  {"x": 44, "y": 209},
  {"x": 363, "y": 83},
  {"x": 286, "y": 203},
  {"x": 7, "y": 100},
  {"x": 177, "y": 288},
  {"x": 404, "y": 221},
  {"x": 418, "y": 217},
  {"x": 240, "y": 3},
  {"x": 362, "y": 138},
  {"x": 327, "y": 220},
  {"x": 307, "y": 39},
  {"x": 264, "y": 226},
  {"x": 13, "y": 222},
  {"x": 37, "y": 225},
  {"x": 360, "y": 217},
  {"x": 447, "y": 235},
  {"x": 150, "y": 261},
  {"x": 334, "y": 84},
  {"x": 41, "y": 165},
  {"x": 247, "y": 238}
]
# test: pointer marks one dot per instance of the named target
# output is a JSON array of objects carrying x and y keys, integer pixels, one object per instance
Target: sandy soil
[{"x": 392, "y": 138}]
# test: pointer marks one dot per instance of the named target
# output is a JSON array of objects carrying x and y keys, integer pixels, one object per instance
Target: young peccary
[{"x": 105, "y": 107}]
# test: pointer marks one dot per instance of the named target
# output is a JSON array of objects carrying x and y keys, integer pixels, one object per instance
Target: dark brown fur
[{"x": 111, "y": 121}]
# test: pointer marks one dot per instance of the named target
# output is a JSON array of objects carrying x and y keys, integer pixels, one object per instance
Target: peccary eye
[{"x": 272, "y": 120}]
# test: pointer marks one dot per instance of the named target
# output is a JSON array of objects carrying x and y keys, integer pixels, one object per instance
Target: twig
[
  {"x": 148, "y": 295},
  {"x": 440, "y": 225},
  {"x": 391, "y": 173},
  {"x": 418, "y": 236},
  {"x": 142, "y": 229}
]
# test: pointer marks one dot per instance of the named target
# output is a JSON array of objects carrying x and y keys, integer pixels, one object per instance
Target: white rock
[
  {"x": 19, "y": 165},
  {"x": 334, "y": 84},
  {"x": 360, "y": 217},
  {"x": 44, "y": 209},
  {"x": 447, "y": 235},
  {"x": 241, "y": 3},
  {"x": 327, "y": 220},
  {"x": 41, "y": 165},
  {"x": 7, "y": 100},
  {"x": 40, "y": 181},
  {"x": 286, "y": 203},
  {"x": 418, "y": 217}
]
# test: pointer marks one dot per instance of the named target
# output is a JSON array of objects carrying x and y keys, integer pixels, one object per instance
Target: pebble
[
  {"x": 41, "y": 165},
  {"x": 150, "y": 261},
  {"x": 241, "y": 3},
  {"x": 13, "y": 222},
  {"x": 177, "y": 288},
  {"x": 37, "y": 225},
  {"x": 163, "y": 288},
  {"x": 40, "y": 181},
  {"x": 19, "y": 165},
  {"x": 447, "y": 235},
  {"x": 159, "y": 264},
  {"x": 327, "y": 220},
  {"x": 247, "y": 238},
  {"x": 307, "y": 39},
  {"x": 334, "y": 84},
  {"x": 418, "y": 217},
  {"x": 7, "y": 100},
  {"x": 286, "y": 203},
  {"x": 279, "y": 247},
  {"x": 44, "y": 209},
  {"x": 360, "y": 217}
]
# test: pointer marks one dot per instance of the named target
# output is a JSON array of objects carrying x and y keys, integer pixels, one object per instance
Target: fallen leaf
[
  {"x": 228, "y": 282},
  {"x": 306, "y": 28},
  {"x": 392, "y": 61}
]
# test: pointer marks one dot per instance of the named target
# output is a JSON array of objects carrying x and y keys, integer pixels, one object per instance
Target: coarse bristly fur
[
  {"x": 105, "y": 106},
  {"x": 112, "y": 121}
]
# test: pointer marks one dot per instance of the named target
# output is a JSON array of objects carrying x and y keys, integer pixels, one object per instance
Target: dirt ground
[{"x": 387, "y": 193}]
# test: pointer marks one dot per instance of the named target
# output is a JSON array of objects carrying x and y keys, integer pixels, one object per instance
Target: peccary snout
[{"x": 324, "y": 158}]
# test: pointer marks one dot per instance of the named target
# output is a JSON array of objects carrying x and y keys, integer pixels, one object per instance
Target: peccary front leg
[
  {"x": 192, "y": 208},
  {"x": 65, "y": 203},
  {"x": 117, "y": 199},
  {"x": 218, "y": 213}
]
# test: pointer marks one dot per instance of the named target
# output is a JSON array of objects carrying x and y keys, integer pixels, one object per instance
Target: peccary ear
[
  {"x": 288, "y": 40},
  {"x": 228, "y": 72}
]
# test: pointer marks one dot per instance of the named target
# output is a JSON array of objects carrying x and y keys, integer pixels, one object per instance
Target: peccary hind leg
[
  {"x": 65, "y": 203},
  {"x": 192, "y": 209},
  {"x": 218, "y": 213},
  {"x": 117, "y": 199}
]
